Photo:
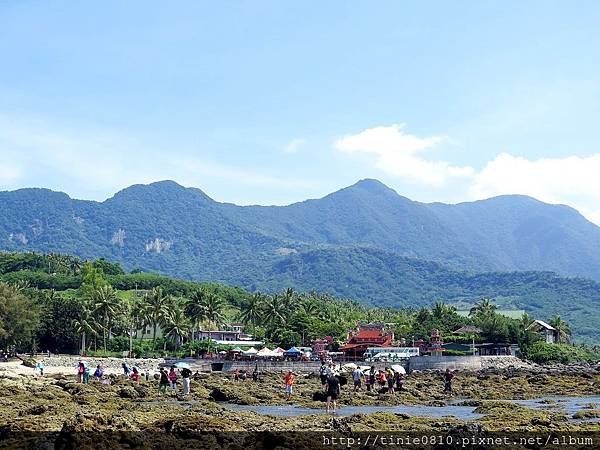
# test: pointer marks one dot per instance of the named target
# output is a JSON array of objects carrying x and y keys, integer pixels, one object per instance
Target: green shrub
[{"x": 543, "y": 353}]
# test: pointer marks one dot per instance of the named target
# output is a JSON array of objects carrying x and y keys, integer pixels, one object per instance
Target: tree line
[{"x": 96, "y": 316}]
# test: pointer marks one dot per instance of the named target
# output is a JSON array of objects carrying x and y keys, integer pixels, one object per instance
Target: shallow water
[
  {"x": 459, "y": 412},
  {"x": 568, "y": 405}
]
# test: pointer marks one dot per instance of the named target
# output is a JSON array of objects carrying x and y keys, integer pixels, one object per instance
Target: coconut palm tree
[
  {"x": 310, "y": 306},
  {"x": 136, "y": 317},
  {"x": 85, "y": 325},
  {"x": 195, "y": 307},
  {"x": 106, "y": 306},
  {"x": 274, "y": 311},
  {"x": 215, "y": 308},
  {"x": 562, "y": 328},
  {"x": 176, "y": 325},
  {"x": 289, "y": 299},
  {"x": 157, "y": 307},
  {"x": 252, "y": 310},
  {"x": 483, "y": 307}
]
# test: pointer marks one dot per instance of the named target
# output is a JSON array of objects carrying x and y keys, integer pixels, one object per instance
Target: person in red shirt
[
  {"x": 289, "y": 384},
  {"x": 135, "y": 375}
]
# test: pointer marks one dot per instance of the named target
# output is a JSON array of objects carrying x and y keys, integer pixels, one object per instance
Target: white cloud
[
  {"x": 400, "y": 154},
  {"x": 573, "y": 180},
  {"x": 293, "y": 145}
]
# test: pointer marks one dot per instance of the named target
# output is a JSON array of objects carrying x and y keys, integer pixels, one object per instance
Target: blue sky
[{"x": 274, "y": 102}]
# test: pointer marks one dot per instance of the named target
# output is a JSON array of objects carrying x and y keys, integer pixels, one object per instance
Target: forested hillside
[{"x": 392, "y": 282}]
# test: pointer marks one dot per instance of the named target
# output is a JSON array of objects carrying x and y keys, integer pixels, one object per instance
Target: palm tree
[
  {"x": 136, "y": 317},
  {"x": 86, "y": 325},
  {"x": 310, "y": 307},
  {"x": 176, "y": 325},
  {"x": 195, "y": 307},
  {"x": 483, "y": 307},
  {"x": 106, "y": 306},
  {"x": 215, "y": 308},
  {"x": 288, "y": 298},
  {"x": 274, "y": 311},
  {"x": 562, "y": 328},
  {"x": 157, "y": 307},
  {"x": 252, "y": 310}
]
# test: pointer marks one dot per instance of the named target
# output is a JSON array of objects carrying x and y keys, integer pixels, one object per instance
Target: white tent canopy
[
  {"x": 266, "y": 353},
  {"x": 251, "y": 351}
]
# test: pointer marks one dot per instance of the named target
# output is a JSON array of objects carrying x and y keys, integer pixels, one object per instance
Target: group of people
[
  {"x": 170, "y": 378},
  {"x": 388, "y": 378},
  {"x": 165, "y": 379}
]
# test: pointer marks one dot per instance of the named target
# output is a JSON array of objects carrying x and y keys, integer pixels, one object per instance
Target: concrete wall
[
  {"x": 284, "y": 366},
  {"x": 445, "y": 362},
  {"x": 462, "y": 362},
  {"x": 415, "y": 363}
]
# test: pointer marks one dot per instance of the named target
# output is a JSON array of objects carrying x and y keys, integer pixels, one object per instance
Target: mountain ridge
[{"x": 182, "y": 231}]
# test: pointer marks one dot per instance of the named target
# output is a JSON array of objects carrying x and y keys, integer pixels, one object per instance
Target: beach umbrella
[
  {"x": 222, "y": 352},
  {"x": 182, "y": 365},
  {"x": 398, "y": 368}
]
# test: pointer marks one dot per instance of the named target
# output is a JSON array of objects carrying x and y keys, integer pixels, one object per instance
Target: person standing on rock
[
  {"x": 186, "y": 374},
  {"x": 448, "y": 382},
  {"x": 333, "y": 392},
  {"x": 173, "y": 379},
  {"x": 399, "y": 381},
  {"x": 357, "y": 376},
  {"x": 98, "y": 373},
  {"x": 323, "y": 375},
  {"x": 390, "y": 379},
  {"x": 135, "y": 375},
  {"x": 86, "y": 375},
  {"x": 163, "y": 382},
  {"x": 80, "y": 372},
  {"x": 370, "y": 378},
  {"x": 289, "y": 384}
]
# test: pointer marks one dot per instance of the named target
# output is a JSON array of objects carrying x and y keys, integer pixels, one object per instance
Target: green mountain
[
  {"x": 365, "y": 242},
  {"x": 393, "y": 280}
]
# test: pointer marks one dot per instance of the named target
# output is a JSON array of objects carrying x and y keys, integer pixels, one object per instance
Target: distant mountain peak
[{"x": 163, "y": 188}]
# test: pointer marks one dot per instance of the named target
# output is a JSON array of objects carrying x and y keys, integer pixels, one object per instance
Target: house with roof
[
  {"x": 548, "y": 333},
  {"x": 364, "y": 336}
]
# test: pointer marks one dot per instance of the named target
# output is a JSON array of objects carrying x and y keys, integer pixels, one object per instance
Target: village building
[
  {"x": 321, "y": 346},
  {"x": 365, "y": 336},
  {"x": 548, "y": 333}
]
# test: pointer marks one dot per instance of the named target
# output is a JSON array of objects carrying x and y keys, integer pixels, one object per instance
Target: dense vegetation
[{"x": 59, "y": 303}]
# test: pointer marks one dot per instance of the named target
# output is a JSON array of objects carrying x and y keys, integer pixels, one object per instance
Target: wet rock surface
[{"x": 62, "y": 405}]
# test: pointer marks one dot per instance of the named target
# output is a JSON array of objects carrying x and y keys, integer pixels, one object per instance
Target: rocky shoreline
[{"x": 58, "y": 404}]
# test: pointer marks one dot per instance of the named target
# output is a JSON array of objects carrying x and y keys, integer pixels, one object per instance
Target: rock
[
  {"x": 29, "y": 362},
  {"x": 128, "y": 392},
  {"x": 218, "y": 395},
  {"x": 319, "y": 396},
  {"x": 541, "y": 422}
]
